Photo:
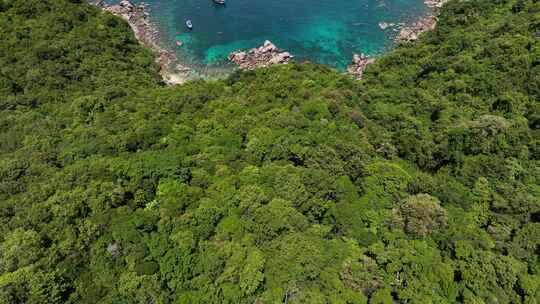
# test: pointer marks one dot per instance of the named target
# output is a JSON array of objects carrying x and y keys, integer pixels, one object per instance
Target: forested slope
[{"x": 294, "y": 184}]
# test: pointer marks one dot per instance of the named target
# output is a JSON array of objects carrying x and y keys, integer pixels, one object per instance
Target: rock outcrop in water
[
  {"x": 266, "y": 55},
  {"x": 358, "y": 65},
  {"x": 137, "y": 17}
]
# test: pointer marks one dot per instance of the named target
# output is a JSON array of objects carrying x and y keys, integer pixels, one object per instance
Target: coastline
[
  {"x": 137, "y": 16},
  {"x": 411, "y": 32},
  {"x": 406, "y": 33},
  {"x": 174, "y": 73}
]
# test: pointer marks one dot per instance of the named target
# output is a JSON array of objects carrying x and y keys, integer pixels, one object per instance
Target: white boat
[{"x": 189, "y": 24}]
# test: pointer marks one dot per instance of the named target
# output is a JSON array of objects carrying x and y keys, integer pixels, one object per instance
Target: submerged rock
[
  {"x": 358, "y": 65},
  {"x": 266, "y": 55}
]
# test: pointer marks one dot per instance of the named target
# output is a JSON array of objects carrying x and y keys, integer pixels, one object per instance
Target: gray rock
[
  {"x": 266, "y": 55},
  {"x": 358, "y": 65},
  {"x": 114, "y": 249}
]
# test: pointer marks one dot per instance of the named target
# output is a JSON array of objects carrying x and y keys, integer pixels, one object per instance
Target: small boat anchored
[
  {"x": 189, "y": 24},
  {"x": 222, "y": 2}
]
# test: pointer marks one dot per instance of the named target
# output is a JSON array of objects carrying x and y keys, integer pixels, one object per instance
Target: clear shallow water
[{"x": 323, "y": 31}]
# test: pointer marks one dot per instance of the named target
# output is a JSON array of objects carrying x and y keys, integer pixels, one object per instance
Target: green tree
[
  {"x": 252, "y": 274},
  {"x": 420, "y": 215},
  {"x": 20, "y": 248}
]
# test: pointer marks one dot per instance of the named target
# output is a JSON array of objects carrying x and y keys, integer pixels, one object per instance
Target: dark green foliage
[{"x": 293, "y": 184}]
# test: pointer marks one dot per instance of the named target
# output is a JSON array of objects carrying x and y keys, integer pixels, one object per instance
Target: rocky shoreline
[
  {"x": 170, "y": 70},
  {"x": 358, "y": 65},
  {"x": 405, "y": 33},
  {"x": 264, "y": 56},
  {"x": 410, "y": 33}
]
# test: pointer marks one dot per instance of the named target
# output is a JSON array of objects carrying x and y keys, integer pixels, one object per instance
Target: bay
[{"x": 322, "y": 31}]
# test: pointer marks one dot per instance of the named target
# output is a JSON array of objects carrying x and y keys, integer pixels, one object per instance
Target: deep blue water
[{"x": 323, "y": 31}]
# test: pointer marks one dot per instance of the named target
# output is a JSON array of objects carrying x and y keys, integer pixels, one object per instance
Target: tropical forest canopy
[{"x": 294, "y": 184}]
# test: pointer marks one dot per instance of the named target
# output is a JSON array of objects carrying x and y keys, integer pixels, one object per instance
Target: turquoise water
[{"x": 323, "y": 31}]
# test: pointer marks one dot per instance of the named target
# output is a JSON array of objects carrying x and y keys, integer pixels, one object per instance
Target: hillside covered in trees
[{"x": 294, "y": 184}]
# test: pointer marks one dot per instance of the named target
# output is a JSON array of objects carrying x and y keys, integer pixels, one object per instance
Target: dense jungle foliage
[{"x": 294, "y": 184}]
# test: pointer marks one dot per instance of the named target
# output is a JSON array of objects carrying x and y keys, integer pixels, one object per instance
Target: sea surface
[{"x": 322, "y": 31}]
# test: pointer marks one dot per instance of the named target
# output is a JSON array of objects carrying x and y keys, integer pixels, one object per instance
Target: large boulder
[
  {"x": 268, "y": 47},
  {"x": 358, "y": 65},
  {"x": 266, "y": 55},
  {"x": 280, "y": 58}
]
